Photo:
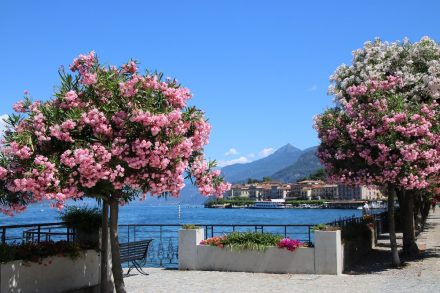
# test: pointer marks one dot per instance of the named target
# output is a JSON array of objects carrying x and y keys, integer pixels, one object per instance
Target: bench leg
[
  {"x": 129, "y": 269},
  {"x": 139, "y": 268}
]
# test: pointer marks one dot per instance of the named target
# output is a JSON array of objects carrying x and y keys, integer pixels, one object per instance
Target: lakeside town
[{"x": 302, "y": 194}]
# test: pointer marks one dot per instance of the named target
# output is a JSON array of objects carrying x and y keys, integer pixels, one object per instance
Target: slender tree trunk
[
  {"x": 410, "y": 247},
  {"x": 392, "y": 226},
  {"x": 418, "y": 213},
  {"x": 425, "y": 209},
  {"x": 114, "y": 242},
  {"x": 104, "y": 248}
]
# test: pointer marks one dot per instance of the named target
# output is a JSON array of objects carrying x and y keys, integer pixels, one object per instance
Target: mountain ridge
[
  {"x": 280, "y": 159},
  {"x": 287, "y": 164}
]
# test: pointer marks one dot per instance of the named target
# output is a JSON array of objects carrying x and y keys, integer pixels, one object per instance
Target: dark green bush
[
  {"x": 356, "y": 232},
  {"x": 82, "y": 218},
  {"x": 35, "y": 252}
]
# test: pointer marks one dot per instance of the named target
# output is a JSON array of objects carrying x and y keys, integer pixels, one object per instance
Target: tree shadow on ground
[{"x": 379, "y": 259}]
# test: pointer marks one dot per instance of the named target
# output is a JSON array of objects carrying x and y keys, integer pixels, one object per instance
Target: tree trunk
[
  {"x": 114, "y": 242},
  {"x": 392, "y": 226},
  {"x": 104, "y": 248},
  {"x": 425, "y": 209},
  {"x": 410, "y": 247},
  {"x": 418, "y": 213}
]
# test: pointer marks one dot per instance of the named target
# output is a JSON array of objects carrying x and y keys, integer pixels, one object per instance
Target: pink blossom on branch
[
  {"x": 378, "y": 138},
  {"x": 127, "y": 133}
]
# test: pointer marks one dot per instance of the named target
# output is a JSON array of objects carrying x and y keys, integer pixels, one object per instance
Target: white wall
[{"x": 55, "y": 274}]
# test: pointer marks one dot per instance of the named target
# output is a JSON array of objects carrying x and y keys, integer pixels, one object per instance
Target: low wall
[
  {"x": 54, "y": 274},
  {"x": 324, "y": 258},
  {"x": 273, "y": 260}
]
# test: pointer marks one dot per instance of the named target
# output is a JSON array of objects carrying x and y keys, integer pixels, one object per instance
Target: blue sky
[{"x": 259, "y": 69}]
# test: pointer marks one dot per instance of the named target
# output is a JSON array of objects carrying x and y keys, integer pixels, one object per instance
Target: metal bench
[{"x": 135, "y": 253}]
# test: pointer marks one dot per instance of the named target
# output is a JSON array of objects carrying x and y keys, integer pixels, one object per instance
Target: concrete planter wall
[
  {"x": 325, "y": 258},
  {"x": 188, "y": 244},
  {"x": 273, "y": 260},
  {"x": 55, "y": 274},
  {"x": 328, "y": 252}
]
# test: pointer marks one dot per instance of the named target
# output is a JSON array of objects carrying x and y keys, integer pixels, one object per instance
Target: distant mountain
[
  {"x": 190, "y": 195},
  {"x": 306, "y": 164},
  {"x": 282, "y": 158},
  {"x": 287, "y": 164}
]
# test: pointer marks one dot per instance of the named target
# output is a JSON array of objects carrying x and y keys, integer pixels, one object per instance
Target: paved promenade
[{"x": 370, "y": 276}]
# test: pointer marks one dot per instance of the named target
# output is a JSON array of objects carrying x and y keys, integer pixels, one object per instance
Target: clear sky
[{"x": 259, "y": 69}]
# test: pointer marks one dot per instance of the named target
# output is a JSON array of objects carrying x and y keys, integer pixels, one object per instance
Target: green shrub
[
  {"x": 35, "y": 252},
  {"x": 325, "y": 227},
  {"x": 189, "y": 227},
  {"x": 82, "y": 218},
  {"x": 251, "y": 240},
  {"x": 296, "y": 203}
]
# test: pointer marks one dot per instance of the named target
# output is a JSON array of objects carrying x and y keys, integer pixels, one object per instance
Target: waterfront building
[
  {"x": 307, "y": 189},
  {"x": 259, "y": 191},
  {"x": 356, "y": 192}
]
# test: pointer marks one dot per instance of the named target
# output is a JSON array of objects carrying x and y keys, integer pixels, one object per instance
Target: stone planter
[
  {"x": 54, "y": 274},
  {"x": 188, "y": 241},
  {"x": 324, "y": 258},
  {"x": 328, "y": 252},
  {"x": 272, "y": 260}
]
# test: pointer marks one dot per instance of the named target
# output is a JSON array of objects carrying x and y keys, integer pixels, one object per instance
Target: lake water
[{"x": 146, "y": 213}]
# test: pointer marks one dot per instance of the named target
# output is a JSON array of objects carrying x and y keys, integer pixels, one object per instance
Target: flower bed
[
  {"x": 33, "y": 252},
  {"x": 260, "y": 253},
  {"x": 252, "y": 241}
]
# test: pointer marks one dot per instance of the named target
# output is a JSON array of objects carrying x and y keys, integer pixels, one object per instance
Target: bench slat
[{"x": 131, "y": 251}]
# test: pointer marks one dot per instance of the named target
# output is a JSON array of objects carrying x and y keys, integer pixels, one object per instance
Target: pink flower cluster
[
  {"x": 290, "y": 244},
  {"x": 71, "y": 100},
  {"x": 128, "y": 89},
  {"x": 62, "y": 132},
  {"x": 205, "y": 179},
  {"x": 41, "y": 180},
  {"x": 130, "y": 67},
  {"x": 83, "y": 64},
  {"x": 391, "y": 83},
  {"x": 21, "y": 151},
  {"x": 3, "y": 173},
  {"x": 19, "y": 107},
  {"x": 97, "y": 121}
]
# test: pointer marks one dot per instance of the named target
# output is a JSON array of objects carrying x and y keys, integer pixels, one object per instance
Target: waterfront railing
[{"x": 163, "y": 251}]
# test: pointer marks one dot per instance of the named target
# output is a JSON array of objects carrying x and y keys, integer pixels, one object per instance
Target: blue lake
[{"x": 147, "y": 213}]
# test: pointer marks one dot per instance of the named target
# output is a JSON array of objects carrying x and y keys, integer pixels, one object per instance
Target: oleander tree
[
  {"x": 378, "y": 139},
  {"x": 417, "y": 67},
  {"x": 108, "y": 133}
]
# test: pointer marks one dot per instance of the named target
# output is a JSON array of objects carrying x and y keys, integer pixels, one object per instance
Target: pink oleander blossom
[{"x": 116, "y": 132}]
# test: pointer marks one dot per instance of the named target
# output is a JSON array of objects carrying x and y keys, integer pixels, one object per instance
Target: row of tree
[{"x": 384, "y": 129}]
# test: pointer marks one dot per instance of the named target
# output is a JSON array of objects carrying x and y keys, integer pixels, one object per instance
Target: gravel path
[{"x": 417, "y": 276}]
